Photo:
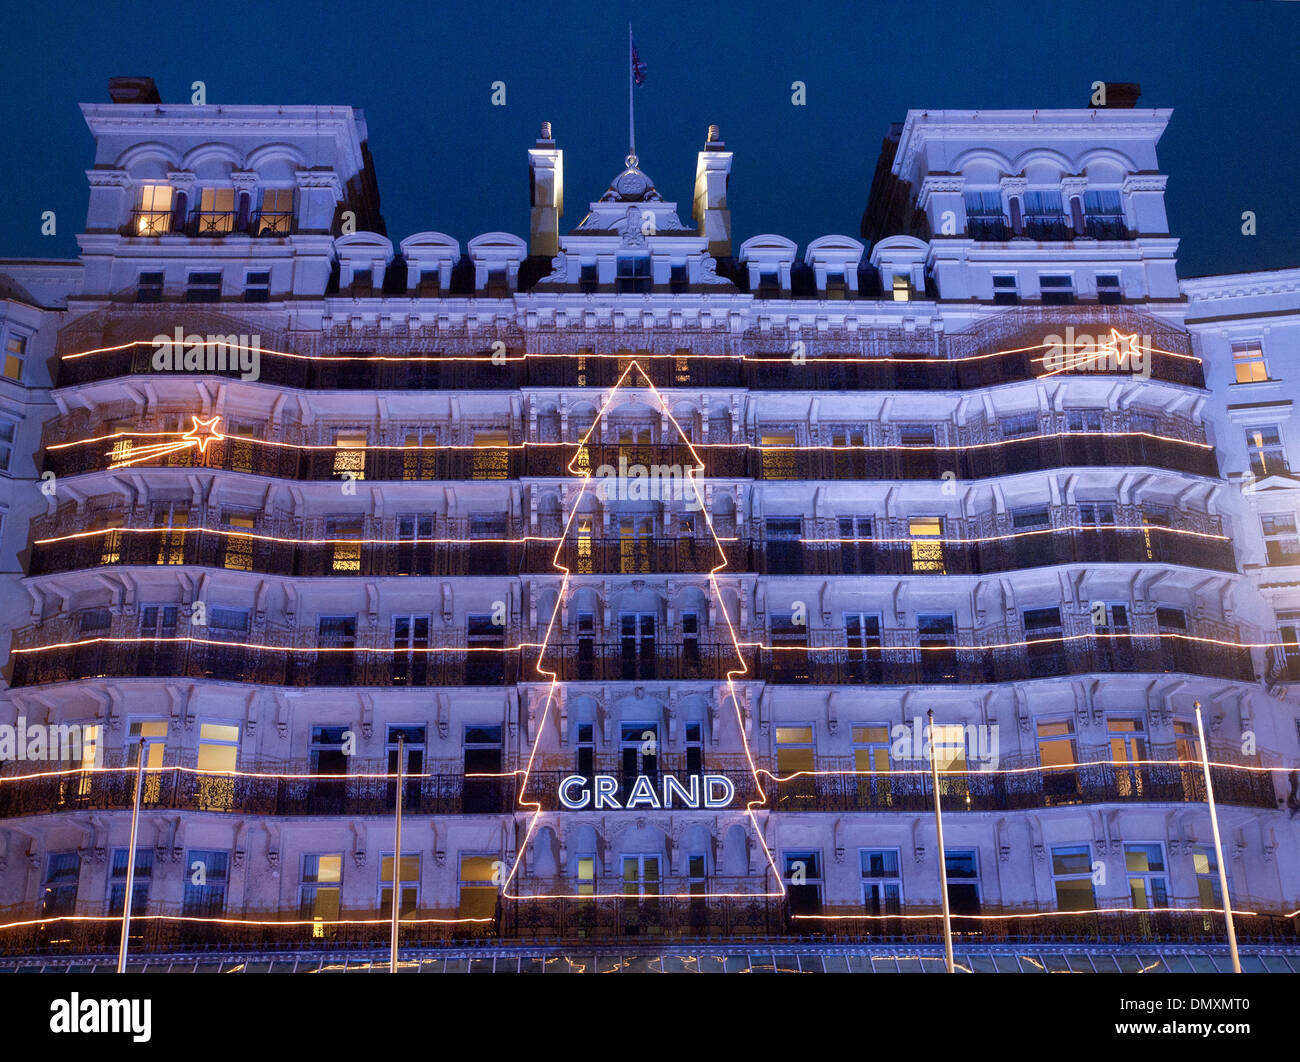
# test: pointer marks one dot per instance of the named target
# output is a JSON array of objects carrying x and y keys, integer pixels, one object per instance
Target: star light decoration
[{"x": 203, "y": 434}]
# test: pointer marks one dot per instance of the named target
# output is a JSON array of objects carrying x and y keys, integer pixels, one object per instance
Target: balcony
[
  {"x": 1173, "y": 783},
  {"x": 72, "y": 657},
  {"x": 830, "y": 371},
  {"x": 274, "y": 554},
  {"x": 664, "y": 465},
  {"x": 171, "y": 790}
]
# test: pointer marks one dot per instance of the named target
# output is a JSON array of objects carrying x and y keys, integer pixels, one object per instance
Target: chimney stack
[
  {"x": 546, "y": 183},
  {"x": 133, "y": 90},
  {"x": 710, "y": 210}
]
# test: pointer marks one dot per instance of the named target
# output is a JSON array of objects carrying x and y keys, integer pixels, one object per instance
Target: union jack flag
[{"x": 638, "y": 67}]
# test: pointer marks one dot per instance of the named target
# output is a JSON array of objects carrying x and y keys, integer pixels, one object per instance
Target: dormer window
[
  {"x": 836, "y": 287},
  {"x": 633, "y": 274},
  {"x": 216, "y": 212},
  {"x": 769, "y": 285},
  {"x": 498, "y": 284},
  {"x": 154, "y": 215},
  {"x": 276, "y": 217},
  {"x": 587, "y": 279},
  {"x": 902, "y": 287},
  {"x": 362, "y": 282}
]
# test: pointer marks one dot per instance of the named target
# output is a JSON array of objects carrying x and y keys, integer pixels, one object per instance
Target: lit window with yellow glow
[
  {"x": 491, "y": 458},
  {"x": 479, "y": 877},
  {"x": 779, "y": 455},
  {"x": 927, "y": 556},
  {"x": 15, "y": 356},
  {"x": 154, "y": 215},
  {"x": 902, "y": 289},
  {"x": 1248, "y": 363},
  {"x": 350, "y": 454}
]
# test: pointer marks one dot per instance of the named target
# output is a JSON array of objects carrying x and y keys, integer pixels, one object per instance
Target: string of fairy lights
[{"x": 204, "y": 432}]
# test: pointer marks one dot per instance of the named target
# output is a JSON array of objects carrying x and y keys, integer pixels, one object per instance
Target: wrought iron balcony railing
[
  {"x": 910, "y": 371},
  {"x": 664, "y": 467},
  {"x": 227, "y": 549},
  {"x": 41, "y": 656}
]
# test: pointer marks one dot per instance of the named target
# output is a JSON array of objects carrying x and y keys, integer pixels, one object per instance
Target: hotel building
[{"x": 643, "y": 556}]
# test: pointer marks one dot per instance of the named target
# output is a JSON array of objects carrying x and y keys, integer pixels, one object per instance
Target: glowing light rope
[
  {"x": 536, "y": 806},
  {"x": 379, "y": 649},
  {"x": 944, "y": 539},
  {"x": 189, "y": 438},
  {"x": 613, "y": 355}
]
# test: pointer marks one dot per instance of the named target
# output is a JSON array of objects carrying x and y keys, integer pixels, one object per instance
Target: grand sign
[{"x": 576, "y": 792}]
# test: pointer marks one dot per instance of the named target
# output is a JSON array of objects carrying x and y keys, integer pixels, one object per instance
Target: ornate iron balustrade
[
  {"x": 1176, "y": 783},
  {"x": 664, "y": 465},
  {"x": 837, "y": 372},
  {"x": 717, "y": 919},
  {"x": 455, "y": 794},
  {"x": 581, "y": 661},
  {"x": 166, "y": 790},
  {"x": 228, "y": 549}
]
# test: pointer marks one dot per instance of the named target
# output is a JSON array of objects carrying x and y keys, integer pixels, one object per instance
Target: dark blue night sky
[{"x": 448, "y": 160}]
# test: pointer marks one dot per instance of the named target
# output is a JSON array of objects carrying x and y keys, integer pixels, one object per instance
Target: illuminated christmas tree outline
[{"x": 760, "y": 800}]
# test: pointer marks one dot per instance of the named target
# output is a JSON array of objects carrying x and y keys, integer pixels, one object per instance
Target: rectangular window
[
  {"x": 902, "y": 287},
  {"x": 779, "y": 455},
  {"x": 1072, "y": 876},
  {"x": 276, "y": 216},
  {"x": 1056, "y": 747},
  {"x": 154, "y": 215},
  {"x": 205, "y": 883},
  {"x": 633, "y": 274},
  {"x": 1056, "y": 289},
  {"x": 1006, "y": 289},
  {"x": 1281, "y": 541},
  {"x": 59, "y": 892},
  {"x": 363, "y": 283},
  {"x": 478, "y": 886},
  {"x": 794, "y": 750},
  {"x": 919, "y": 435},
  {"x": 409, "y": 872},
  {"x": 1108, "y": 289},
  {"x": 882, "y": 882},
  {"x": 1267, "y": 454},
  {"x": 1103, "y": 212},
  {"x": 344, "y": 533},
  {"x": 984, "y": 217},
  {"x": 491, "y": 455},
  {"x": 139, "y": 887},
  {"x": 350, "y": 454},
  {"x": 8, "y": 432},
  {"x": 1018, "y": 426},
  {"x": 871, "y": 746},
  {"x": 1044, "y": 215},
  {"x": 1148, "y": 880},
  {"x": 149, "y": 288},
  {"x": 1083, "y": 420},
  {"x": 203, "y": 287},
  {"x": 586, "y": 875},
  {"x": 257, "y": 286},
  {"x": 963, "y": 881},
  {"x": 1171, "y": 619},
  {"x": 320, "y": 891},
  {"x": 15, "y": 356},
  {"x": 927, "y": 546},
  {"x": 641, "y": 875},
  {"x": 588, "y": 279},
  {"x": 1205, "y": 865},
  {"x": 936, "y": 635},
  {"x": 228, "y": 622},
  {"x": 1097, "y": 514},
  {"x": 216, "y": 211},
  {"x": 1031, "y": 518},
  {"x": 1248, "y": 362},
  {"x": 803, "y": 875}
]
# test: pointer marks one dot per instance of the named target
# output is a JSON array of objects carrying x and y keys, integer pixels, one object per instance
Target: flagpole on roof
[{"x": 631, "y": 116}]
